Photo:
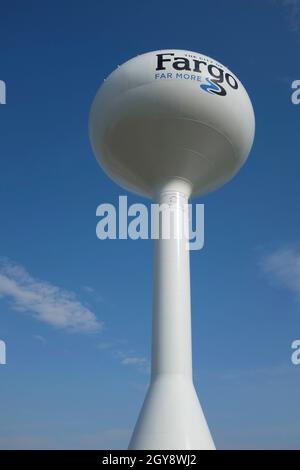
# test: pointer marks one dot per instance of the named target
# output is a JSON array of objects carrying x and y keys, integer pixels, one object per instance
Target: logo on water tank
[{"x": 211, "y": 75}]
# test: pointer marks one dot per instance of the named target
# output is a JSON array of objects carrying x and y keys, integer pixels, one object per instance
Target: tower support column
[{"x": 171, "y": 416}]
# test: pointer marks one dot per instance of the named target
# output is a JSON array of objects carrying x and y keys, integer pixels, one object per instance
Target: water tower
[{"x": 170, "y": 125}]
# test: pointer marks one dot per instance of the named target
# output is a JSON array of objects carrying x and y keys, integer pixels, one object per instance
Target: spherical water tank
[{"x": 171, "y": 114}]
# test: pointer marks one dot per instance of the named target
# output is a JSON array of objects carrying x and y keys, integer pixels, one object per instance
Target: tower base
[{"x": 171, "y": 417}]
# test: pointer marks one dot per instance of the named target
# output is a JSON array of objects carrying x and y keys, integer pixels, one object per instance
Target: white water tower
[{"x": 169, "y": 125}]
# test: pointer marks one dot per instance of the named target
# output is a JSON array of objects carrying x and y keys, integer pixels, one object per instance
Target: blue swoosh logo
[{"x": 210, "y": 86}]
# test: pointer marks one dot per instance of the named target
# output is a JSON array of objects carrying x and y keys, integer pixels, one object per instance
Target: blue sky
[{"x": 75, "y": 312}]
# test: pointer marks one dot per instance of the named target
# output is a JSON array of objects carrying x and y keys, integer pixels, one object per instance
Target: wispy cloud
[
  {"x": 116, "y": 438},
  {"x": 94, "y": 295},
  {"x": 104, "y": 345},
  {"x": 293, "y": 7},
  {"x": 283, "y": 267},
  {"x": 265, "y": 373},
  {"x": 88, "y": 289},
  {"x": 292, "y": 10},
  {"x": 59, "y": 308},
  {"x": 40, "y": 338},
  {"x": 125, "y": 358},
  {"x": 46, "y": 302},
  {"x": 128, "y": 359}
]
